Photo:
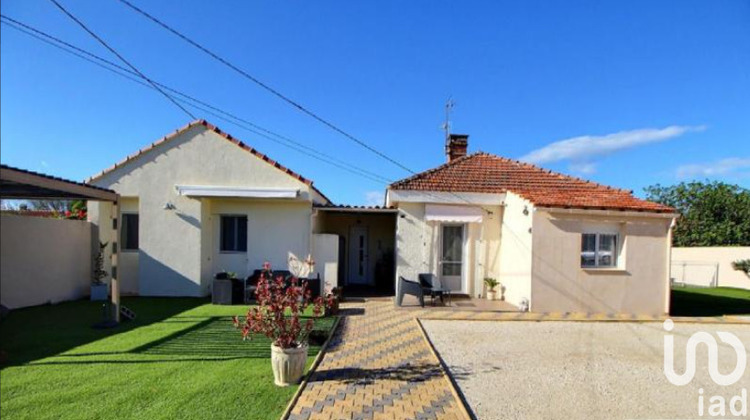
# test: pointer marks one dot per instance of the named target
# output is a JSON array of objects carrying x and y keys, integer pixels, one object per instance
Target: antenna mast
[{"x": 449, "y": 104}]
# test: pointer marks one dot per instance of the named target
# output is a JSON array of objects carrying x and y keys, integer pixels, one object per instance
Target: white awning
[
  {"x": 247, "y": 192},
  {"x": 456, "y": 214}
]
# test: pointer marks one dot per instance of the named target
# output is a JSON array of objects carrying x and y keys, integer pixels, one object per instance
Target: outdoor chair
[
  {"x": 431, "y": 286},
  {"x": 251, "y": 282},
  {"x": 408, "y": 287}
]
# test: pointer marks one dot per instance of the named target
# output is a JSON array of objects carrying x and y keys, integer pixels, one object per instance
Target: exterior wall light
[{"x": 169, "y": 206}]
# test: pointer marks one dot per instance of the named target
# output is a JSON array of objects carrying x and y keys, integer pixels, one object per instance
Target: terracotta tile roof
[
  {"x": 225, "y": 135},
  {"x": 487, "y": 173}
]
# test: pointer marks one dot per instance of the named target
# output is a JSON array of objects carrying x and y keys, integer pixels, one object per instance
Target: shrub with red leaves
[{"x": 278, "y": 313}]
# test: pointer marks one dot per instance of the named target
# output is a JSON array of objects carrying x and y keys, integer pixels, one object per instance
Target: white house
[
  {"x": 556, "y": 242},
  {"x": 200, "y": 201}
]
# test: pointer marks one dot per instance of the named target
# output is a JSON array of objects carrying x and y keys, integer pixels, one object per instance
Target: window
[
  {"x": 599, "y": 250},
  {"x": 233, "y": 234},
  {"x": 129, "y": 232}
]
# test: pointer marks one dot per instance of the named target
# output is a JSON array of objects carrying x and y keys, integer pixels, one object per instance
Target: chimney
[{"x": 456, "y": 146}]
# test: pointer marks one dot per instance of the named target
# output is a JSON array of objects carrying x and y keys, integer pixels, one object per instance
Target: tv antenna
[{"x": 449, "y": 104}]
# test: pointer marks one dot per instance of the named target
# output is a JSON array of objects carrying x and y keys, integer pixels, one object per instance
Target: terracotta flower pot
[{"x": 288, "y": 364}]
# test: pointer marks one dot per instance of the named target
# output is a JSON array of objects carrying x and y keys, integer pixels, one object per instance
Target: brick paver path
[{"x": 378, "y": 366}]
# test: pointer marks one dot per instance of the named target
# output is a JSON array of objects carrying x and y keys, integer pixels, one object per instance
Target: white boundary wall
[
  {"x": 43, "y": 260},
  {"x": 326, "y": 257},
  {"x": 698, "y": 264}
]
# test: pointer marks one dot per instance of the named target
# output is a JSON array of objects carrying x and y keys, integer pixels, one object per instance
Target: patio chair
[
  {"x": 431, "y": 286},
  {"x": 408, "y": 287},
  {"x": 251, "y": 285}
]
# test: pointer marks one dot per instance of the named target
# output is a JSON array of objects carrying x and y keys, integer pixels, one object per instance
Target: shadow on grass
[
  {"x": 210, "y": 338},
  {"x": 708, "y": 302},
  {"x": 35, "y": 333}
]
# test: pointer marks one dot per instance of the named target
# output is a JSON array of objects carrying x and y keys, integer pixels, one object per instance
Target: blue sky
[{"x": 626, "y": 93}]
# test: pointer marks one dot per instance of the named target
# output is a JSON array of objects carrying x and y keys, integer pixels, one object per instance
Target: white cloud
[
  {"x": 374, "y": 198},
  {"x": 582, "y": 168},
  {"x": 583, "y": 149},
  {"x": 44, "y": 164},
  {"x": 721, "y": 167}
]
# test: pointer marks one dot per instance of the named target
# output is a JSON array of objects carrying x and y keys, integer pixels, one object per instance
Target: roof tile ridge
[{"x": 435, "y": 169}]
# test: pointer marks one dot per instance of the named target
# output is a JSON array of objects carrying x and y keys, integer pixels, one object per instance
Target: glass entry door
[
  {"x": 452, "y": 256},
  {"x": 358, "y": 256}
]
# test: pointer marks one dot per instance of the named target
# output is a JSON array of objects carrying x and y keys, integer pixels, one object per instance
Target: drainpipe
[
  {"x": 668, "y": 287},
  {"x": 313, "y": 215}
]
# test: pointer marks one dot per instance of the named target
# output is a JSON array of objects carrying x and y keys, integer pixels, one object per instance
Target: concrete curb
[
  {"x": 314, "y": 366},
  {"x": 579, "y": 317}
]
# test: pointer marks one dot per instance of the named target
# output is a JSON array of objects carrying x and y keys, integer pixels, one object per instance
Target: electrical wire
[
  {"x": 157, "y": 86},
  {"x": 113, "y": 51},
  {"x": 265, "y": 86},
  {"x": 191, "y": 101}
]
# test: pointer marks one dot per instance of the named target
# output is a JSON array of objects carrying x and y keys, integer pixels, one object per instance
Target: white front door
[
  {"x": 452, "y": 257},
  {"x": 358, "y": 256}
]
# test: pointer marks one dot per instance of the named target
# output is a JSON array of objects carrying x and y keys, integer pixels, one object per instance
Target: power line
[
  {"x": 112, "y": 50},
  {"x": 156, "y": 86},
  {"x": 192, "y": 101},
  {"x": 266, "y": 86},
  {"x": 274, "y": 91}
]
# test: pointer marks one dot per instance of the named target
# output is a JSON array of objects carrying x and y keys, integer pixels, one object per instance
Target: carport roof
[{"x": 18, "y": 183}]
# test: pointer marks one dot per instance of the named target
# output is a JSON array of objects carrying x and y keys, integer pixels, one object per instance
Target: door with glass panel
[
  {"x": 452, "y": 257},
  {"x": 358, "y": 256}
]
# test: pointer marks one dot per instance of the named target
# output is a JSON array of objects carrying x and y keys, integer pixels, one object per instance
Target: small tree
[
  {"x": 711, "y": 213},
  {"x": 278, "y": 313},
  {"x": 99, "y": 272},
  {"x": 742, "y": 265}
]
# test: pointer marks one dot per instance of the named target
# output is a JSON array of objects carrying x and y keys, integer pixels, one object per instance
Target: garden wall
[
  {"x": 702, "y": 266},
  {"x": 43, "y": 260}
]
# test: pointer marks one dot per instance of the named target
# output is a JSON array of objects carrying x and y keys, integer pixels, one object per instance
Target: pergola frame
[{"x": 20, "y": 184}]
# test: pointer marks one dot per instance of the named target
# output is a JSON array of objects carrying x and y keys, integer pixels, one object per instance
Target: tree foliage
[
  {"x": 711, "y": 213},
  {"x": 58, "y": 206}
]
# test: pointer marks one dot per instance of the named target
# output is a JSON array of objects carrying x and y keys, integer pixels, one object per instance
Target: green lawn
[
  {"x": 714, "y": 301},
  {"x": 181, "y": 358}
]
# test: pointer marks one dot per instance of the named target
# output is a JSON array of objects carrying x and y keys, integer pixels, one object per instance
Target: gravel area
[{"x": 583, "y": 370}]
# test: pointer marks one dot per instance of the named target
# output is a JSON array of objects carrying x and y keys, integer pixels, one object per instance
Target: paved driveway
[
  {"x": 378, "y": 366},
  {"x": 580, "y": 370}
]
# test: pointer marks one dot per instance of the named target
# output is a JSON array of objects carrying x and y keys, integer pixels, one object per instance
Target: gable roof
[
  {"x": 222, "y": 134},
  {"x": 487, "y": 173}
]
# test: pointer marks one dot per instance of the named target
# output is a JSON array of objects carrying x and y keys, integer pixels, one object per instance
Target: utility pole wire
[
  {"x": 265, "y": 86},
  {"x": 192, "y": 101},
  {"x": 112, "y": 50},
  {"x": 153, "y": 84}
]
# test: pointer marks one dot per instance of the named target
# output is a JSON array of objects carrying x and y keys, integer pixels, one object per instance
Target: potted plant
[
  {"x": 277, "y": 316},
  {"x": 332, "y": 304},
  {"x": 491, "y": 284},
  {"x": 99, "y": 289}
]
